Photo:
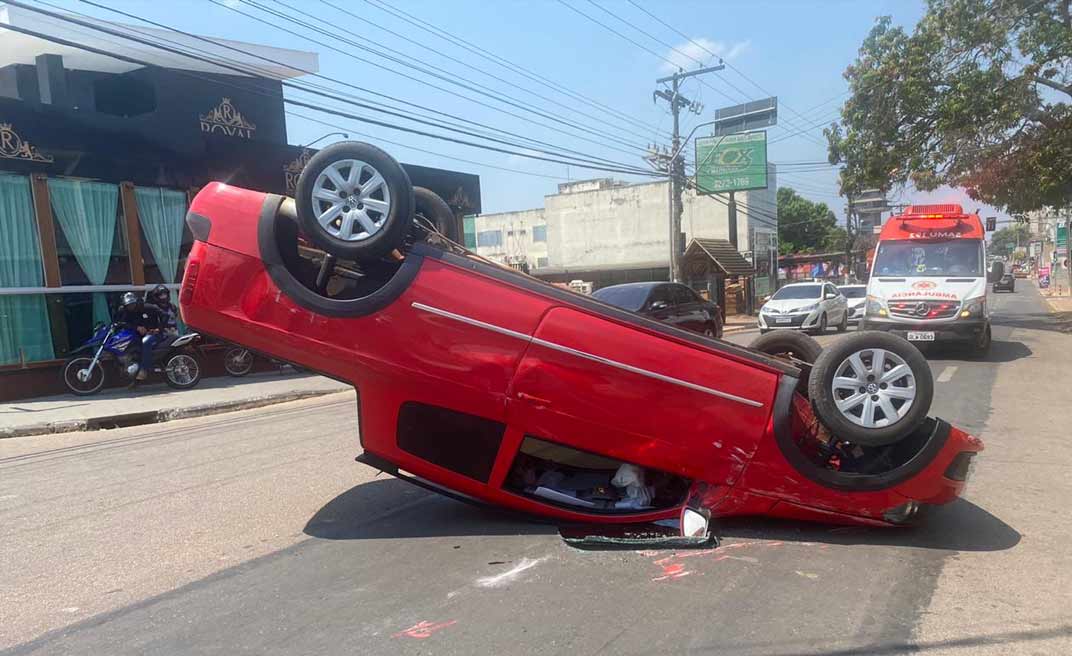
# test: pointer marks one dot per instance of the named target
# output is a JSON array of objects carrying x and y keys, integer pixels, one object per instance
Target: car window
[
  {"x": 627, "y": 297},
  {"x": 797, "y": 292},
  {"x": 853, "y": 292},
  {"x": 660, "y": 293},
  {"x": 830, "y": 289},
  {"x": 682, "y": 295}
]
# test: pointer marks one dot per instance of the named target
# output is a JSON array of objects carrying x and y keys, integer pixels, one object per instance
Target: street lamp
[{"x": 329, "y": 134}]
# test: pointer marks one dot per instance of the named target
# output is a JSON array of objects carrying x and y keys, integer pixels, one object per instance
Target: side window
[
  {"x": 830, "y": 289},
  {"x": 660, "y": 293},
  {"x": 682, "y": 295}
]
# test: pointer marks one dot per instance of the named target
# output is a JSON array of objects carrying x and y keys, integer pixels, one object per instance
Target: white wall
[
  {"x": 598, "y": 224},
  {"x": 516, "y": 229}
]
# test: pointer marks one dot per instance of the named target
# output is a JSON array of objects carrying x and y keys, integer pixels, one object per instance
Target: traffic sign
[{"x": 734, "y": 162}]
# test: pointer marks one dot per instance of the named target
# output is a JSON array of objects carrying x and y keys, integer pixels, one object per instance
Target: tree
[
  {"x": 1003, "y": 241},
  {"x": 805, "y": 226},
  {"x": 977, "y": 96}
]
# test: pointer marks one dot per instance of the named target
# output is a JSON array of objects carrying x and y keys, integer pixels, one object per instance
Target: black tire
[
  {"x": 428, "y": 204},
  {"x": 182, "y": 369},
  {"x": 393, "y": 226},
  {"x": 75, "y": 386},
  {"x": 827, "y": 365},
  {"x": 790, "y": 343},
  {"x": 238, "y": 361},
  {"x": 844, "y": 325},
  {"x": 981, "y": 346}
]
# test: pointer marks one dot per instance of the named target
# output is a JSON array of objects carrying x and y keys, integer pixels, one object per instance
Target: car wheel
[
  {"x": 354, "y": 201},
  {"x": 791, "y": 345},
  {"x": 844, "y": 325},
  {"x": 238, "y": 361},
  {"x": 428, "y": 204},
  {"x": 871, "y": 388}
]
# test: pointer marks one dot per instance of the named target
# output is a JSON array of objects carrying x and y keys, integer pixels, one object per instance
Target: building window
[
  {"x": 541, "y": 263},
  {"x": 165, "y": 238},
  {"x": 539, "y": 233},
  {"x": 24, "y": 327},
  {"x": 90, "y": 238},
  {"x": 489, "y": 238},
  {"x": 469, "y": 229}
]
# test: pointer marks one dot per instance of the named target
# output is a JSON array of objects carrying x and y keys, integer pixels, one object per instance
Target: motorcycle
[
  {"x": 238, "y": 361},
  {"x": 117, "y": 347}
]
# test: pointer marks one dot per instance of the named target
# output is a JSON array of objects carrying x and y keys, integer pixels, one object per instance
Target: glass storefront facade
[{"x": 92, "y": 255}]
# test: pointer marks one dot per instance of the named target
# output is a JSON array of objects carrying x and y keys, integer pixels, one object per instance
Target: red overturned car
[{"x": 485, "y": 384}]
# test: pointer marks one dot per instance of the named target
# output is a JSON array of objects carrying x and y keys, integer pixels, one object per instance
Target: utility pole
[
  {"x": 675, "y": 167},
  {"x": 849, "y": 239}
]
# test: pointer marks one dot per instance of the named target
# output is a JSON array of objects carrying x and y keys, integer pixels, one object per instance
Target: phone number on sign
[{"x": 733, "y": 183}]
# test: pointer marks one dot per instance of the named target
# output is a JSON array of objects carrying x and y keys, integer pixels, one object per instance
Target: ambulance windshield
[{"x": 929, "y": 258}]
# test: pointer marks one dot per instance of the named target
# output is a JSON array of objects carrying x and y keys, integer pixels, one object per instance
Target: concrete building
[{"x": 608, "y": 231}]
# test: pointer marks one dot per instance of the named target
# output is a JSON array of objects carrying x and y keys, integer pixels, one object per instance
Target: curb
[
  {"x": 726, "y": 330},
  {"x": 159, "y": 416}
]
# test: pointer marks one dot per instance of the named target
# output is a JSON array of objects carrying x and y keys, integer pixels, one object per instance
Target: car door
[
  {"x": 687, "y": 309},
  {"x": 835, "y": 307}
]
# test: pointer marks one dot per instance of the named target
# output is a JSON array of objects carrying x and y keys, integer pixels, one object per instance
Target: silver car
[{"x": 807, "y": 306}]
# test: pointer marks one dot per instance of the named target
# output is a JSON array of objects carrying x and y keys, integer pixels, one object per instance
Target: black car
[
  {"x": 1007, "y": 283},
  {"x": 669, "y": 302}
]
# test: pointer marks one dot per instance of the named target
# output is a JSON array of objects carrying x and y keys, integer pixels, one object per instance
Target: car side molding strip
[{"x": 582, "y": 354}]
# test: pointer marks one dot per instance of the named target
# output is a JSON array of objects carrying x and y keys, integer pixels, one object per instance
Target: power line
[
  {"x": 705, "y": 49},
  {"x": 356, "y": 99},
  {"x": 505, "y": 63},
  {"x": 629, "y": 130},
  {"x": 424, "y": 150},
  {"x": 431, "y": 70},
  {"x": 88, "y": 48}
]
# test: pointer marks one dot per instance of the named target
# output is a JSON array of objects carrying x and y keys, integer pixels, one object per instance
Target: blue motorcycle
[{"x": 117, "y": 348}]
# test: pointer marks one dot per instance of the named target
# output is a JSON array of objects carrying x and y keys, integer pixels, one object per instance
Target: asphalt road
[{"x": 256, "y": 533}]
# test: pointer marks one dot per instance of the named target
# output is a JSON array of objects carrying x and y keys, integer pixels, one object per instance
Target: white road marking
[{"x": 947, "y": 374}]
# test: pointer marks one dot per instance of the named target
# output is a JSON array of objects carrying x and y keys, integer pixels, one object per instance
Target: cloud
[{"x": 686, "y": 54}]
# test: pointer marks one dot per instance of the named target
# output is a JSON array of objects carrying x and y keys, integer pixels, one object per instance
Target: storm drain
[{"x": 123, "y": 421}]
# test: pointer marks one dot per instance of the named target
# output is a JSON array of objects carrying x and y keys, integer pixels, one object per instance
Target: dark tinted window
[
  {"x": 682, "y": 295},
  {"x": 853, "y": 292},
  {"x": 627, "y": 297},
  {"x": 797, "y": 292},
  {"x": 661, "y": 294},
  {"x": 830, "y": 289}
]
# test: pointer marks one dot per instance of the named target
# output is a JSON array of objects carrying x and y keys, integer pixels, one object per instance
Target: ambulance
[{"x": 929, "y": 278}]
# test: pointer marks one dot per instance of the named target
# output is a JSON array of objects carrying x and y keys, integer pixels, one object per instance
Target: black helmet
[
  {"x": 129, "y": 299},
  {"x": 160, "y": 295}
]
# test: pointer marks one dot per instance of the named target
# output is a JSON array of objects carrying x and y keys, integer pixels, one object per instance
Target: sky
[{"x": 598, "y": 81}]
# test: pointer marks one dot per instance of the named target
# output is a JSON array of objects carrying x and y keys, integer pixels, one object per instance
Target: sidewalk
[
  {"x": 736, "y": 323},
  {"x": 1058, "y": 302},
  {"x": 157, "y": 402}
]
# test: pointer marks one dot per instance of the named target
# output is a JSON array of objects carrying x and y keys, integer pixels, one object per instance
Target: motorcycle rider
[
  {"x": 160, "y": 296},
  {"x": 147, "y": 320}
]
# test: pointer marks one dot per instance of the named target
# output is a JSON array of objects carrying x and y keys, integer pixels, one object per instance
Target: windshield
[
  {"x": 627, "y": 297},
  {"x": 853, "y": 292},
  {"x": 919, "y": 258},
  {"x": 797, "y": 292}
]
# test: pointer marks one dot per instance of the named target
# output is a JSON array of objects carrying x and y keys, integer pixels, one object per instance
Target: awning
[{"x": 722, "y": 253}]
